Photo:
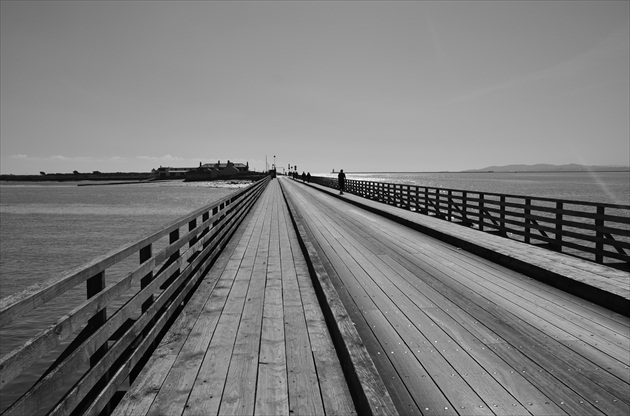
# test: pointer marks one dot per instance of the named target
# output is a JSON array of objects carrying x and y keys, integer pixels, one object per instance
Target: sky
[{"x": 410, "y": 86}]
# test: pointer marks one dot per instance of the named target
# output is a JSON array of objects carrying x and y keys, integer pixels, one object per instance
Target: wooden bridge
[{"x": 288, "y": 298}]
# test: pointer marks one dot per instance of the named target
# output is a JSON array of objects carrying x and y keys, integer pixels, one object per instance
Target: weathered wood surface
[
  {"x": 252, "y": 339},
  {"x": 453, "y": 333},
  {"x": 600, "y": 284}
]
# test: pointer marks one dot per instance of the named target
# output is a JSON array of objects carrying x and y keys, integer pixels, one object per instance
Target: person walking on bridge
[{"x": 342, "y": 181}]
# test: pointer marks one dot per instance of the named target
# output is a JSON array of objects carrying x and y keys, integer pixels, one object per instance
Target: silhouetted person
[
  {"x": 303, "y": 176},
  {"x": 308, "y": 177},
  {"x": 342, "y": 181}
]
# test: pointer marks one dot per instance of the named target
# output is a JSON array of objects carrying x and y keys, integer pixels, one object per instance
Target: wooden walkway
[
  {"x": 453, "y": 333},
  {"x": 445, "y": 332},
  {"x": 252, "y": 339}
]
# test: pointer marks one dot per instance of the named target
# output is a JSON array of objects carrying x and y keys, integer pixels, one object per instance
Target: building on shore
[{"x": 212, "y": 170}]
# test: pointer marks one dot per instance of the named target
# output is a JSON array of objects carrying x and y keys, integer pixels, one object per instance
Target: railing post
[
  {"x": 205, "y": 217},
  {"x": 94, "y": 285},
  {"x": 191, "y": 226},
  {"x": 528, "y": 204},
  {"x": 215, "y": 211},
  {"x": 599, "y": 235},
  {"x": 145, "y": 254},
  {"x": 404, "y": 200},
  {"x": 503, "y": 231},
  {"x": 465, "y": 208},
  {"x": 450, "y": 205},
  {"x": 416, "y": 202},
  {"x": 481, "y": 208},
  {"x": 172, "y": 238},
  {"x": 437, "y": 203},
  {"x": 559, "y": 208},
  {"x": 392, "y": 193},
  {"x": 426, "y": 201}
]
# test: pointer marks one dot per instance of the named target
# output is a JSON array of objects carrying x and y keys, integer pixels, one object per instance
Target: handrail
[
  {"x": 109, "y": 342},
  {"x": 598, "y": 232}
]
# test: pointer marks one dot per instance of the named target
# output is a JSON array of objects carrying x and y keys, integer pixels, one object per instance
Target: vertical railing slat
[
  {"x": 94, "y": 286},
  {"x": 503, "y": 229},
  {"x": 558, "y": 237},
  {"x": 481, "y": 208},
  {"x": 528, "y": 204},
  {"x": 599, "y": 235}
]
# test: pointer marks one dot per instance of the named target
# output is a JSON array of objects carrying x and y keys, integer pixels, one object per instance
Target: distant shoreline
[
  {"x": 139, "y": 177},
  {"x": 76, "y": 177},
  {"x": 496, "y": 171}
]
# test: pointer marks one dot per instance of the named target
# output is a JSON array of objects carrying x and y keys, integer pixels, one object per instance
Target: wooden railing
[
  {"x": 105, "y": 340},
  {"x": 595, "y": 231}
]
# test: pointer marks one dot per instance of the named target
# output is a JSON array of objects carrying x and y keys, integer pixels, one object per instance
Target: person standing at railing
[
  {"x": 308, "y": 177},
  {"x": 342, "y": 181}
]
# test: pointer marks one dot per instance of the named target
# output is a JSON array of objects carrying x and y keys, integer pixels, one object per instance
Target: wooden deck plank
[
  {"x": 418, "y": 381},
  {"x": 205, "y": 396},
  {"x": 336, "y": 396},
  {"x": 272, "y": 390},
  {"x": 272, "y": 397},
  {"x": 304, "y": 392},
  {"x": 239, "y": 396}
]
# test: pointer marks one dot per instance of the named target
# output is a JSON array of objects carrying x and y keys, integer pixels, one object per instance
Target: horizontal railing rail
[
  {"x": 101, "y": 343},
  {"x": 597, "y": 232}
]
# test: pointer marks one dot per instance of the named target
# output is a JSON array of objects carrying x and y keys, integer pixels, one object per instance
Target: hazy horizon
[{"x": 360, "y": 86}]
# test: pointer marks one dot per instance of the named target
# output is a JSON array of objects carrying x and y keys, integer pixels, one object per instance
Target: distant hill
[{"x": 542, "y": 167}]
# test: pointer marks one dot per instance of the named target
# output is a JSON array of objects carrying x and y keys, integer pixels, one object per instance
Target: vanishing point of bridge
[{"x": 288, "y": 298}]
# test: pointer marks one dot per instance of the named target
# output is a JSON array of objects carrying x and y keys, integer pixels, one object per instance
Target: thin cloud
[
  {"x": 165, "y": 158},
  {"x": 63, "y": 158}
]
